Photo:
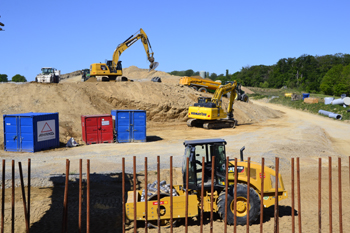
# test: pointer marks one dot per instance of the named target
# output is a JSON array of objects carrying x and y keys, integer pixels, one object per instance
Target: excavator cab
[
  {"x": 195, "y": 150},
  {"x": 109, "y": 64}
]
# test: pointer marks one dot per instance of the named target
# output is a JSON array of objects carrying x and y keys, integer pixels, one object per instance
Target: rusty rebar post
[
  {"x": 171, "y": 194},
  {"x": 28, "y": 198},
  {"x": 226, "y": 191},
  {"x": 299, "y": 195},
  {"x": 158, "y": 191},
  {"x": 186, "y": 207},
  {"x": 65, "y": 199},
  {"x": 88, "y": 196},
  {"x": 202, "y": 194},
  {"x": 293, "y": 204},
  {"x": 235, "y": 199},
  {"x": 146, "y": 196},
  {"x": 3, "y": 197},
  {"x": 123, "y": 194},
  {"x": 13, "y": 198},
  {"x": 212, "y": 192},
  {"x": 319, "y": 195},
  {"x": 340, "y": 197},
  {"x": 248, "y": 194},
  {"x": 134, "y": 189},
  {"x": 80, "y": 193},
  {"x": 262, "y": 176},
  {"x": 23, "y": 196},
  {"x": 276, "y": 194},
  {"x": 330, "y": 192}
]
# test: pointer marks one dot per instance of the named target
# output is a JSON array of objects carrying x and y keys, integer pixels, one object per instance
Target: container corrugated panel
[
  {"x": 97, "y": 129},
  {"x": 130, "y": 125},
  {"x": 31, "y": 132}
]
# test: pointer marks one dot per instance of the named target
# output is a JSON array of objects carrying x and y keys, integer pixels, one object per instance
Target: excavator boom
[{"x": 130, "y": 41}]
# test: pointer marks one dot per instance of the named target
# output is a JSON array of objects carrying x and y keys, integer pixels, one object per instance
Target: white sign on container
[{"x": 46, "y": 130}]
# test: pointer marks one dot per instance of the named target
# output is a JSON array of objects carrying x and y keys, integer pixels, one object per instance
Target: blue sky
[{"x": 199, "y": 35}]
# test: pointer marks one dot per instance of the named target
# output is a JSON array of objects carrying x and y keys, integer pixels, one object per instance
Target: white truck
[{"x": 48, "y": 75}]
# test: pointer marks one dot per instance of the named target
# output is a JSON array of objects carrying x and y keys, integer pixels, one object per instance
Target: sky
[{"x": 202, "y": 35}]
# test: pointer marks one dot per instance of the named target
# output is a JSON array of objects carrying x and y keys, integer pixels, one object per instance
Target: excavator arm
[
  {"x": 217, "y": 97},
  {"x": 130, "y": 41}
]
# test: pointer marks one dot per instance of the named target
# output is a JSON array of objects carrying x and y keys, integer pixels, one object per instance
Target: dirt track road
[{"x": 295, "y": 134}]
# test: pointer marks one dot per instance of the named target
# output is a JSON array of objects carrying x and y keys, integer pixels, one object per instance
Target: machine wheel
[
  {"x": 245, "y": 98},
  {"x": 194, "y": 88},
  {"x": 164, "y": 223},
  {"x": 202, "y": 89},
  {"x": 242, "y": 209}
]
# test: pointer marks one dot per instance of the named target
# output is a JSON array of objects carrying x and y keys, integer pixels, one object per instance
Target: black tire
[
  {"x": 194, "y": 88},
  {"x": 245, "y": 98},
  {"x": 254, "y": 211},
  {"x": 203, "y": 89}
]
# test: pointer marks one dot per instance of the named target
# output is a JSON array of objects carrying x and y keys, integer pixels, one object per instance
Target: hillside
[{"x": 164, "y": 102}]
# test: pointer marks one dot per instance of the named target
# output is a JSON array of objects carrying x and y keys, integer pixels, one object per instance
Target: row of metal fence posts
[
  {"x": 276, "y": 209},
  {"x": 26, "y": 205}
]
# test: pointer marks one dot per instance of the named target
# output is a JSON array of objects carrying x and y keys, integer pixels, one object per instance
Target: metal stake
[{"x": 262, "y": 176}]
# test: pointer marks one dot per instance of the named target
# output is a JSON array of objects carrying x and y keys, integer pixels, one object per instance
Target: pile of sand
[{"x": 164, "y": 102}]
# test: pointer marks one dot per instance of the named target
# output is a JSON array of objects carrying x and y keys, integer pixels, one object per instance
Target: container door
[
  {"x": 106, "y": 129},
  {"x": 26, "y": 139},
  {"x": 139, "y": 126},
  {"x": 91, "y": 128},
  {"x": 123, "y": 123},
  {"x": 11, "y": 136}
]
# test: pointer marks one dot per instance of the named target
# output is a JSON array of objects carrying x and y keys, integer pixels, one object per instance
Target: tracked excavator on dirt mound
[
  {"x": 208, "y": 112},
  {"x": 214, "y": 154},
  {"x": 112, "y": 69}
]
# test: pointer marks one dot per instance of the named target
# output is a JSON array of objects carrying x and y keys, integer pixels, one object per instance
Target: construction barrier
[{"x": 295, "y": 193}]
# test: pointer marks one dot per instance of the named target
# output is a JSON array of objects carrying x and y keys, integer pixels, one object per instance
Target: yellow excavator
[
  {"x": 112, "y": 70},
  {"x": 208, "y": 112}
]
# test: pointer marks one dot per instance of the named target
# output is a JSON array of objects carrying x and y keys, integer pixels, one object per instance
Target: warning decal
[{"x": 46, "y": 130}]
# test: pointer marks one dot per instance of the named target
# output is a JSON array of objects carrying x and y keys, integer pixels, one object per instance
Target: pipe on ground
[
  {"x": 343, "y": 101},
  {"x": 330, "y": 114}
]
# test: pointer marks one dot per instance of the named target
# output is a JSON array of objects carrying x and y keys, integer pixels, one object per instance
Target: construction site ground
[{"x": 266, "y": 130}]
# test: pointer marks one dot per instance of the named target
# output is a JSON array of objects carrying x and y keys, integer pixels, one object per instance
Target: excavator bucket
[{"x": 153, "y": 66}]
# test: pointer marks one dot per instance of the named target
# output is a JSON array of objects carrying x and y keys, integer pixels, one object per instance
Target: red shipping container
[{"x": 97, "y": 129}]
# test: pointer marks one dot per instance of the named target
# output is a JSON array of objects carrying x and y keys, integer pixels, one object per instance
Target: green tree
[
  {"x": 3, "y": 78},
  {"x": 331, "y": 79},
  {"x": 189, "y": 73},
  {"x": 213, "y": 76},
  {"x": 19, "y": 78}
]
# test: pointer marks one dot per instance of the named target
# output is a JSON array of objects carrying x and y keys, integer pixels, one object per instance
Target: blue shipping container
[
  {"x": 31, "y": 132},
  {"x": 129, "y": 125}
]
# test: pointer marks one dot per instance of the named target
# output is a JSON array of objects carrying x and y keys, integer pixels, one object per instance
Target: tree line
[
  {"x": 328, "y": 74},
  {"x": 16, "y": 78}
]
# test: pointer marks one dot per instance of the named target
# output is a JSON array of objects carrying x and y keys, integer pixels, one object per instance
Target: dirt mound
[
  {"x": 163, "y": 102},
  {"x": 137, "y": 74}
]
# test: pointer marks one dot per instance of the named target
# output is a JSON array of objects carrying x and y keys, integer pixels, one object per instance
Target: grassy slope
[{"x": 299, "y": 104}]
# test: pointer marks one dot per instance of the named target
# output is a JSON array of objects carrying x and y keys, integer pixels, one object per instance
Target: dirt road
[{"x": 294, "y": 134}]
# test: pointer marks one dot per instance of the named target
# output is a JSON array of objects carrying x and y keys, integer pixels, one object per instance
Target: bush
[
  {"x": 19, "y": 78},
  {"x": 3, "y": 78}
]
